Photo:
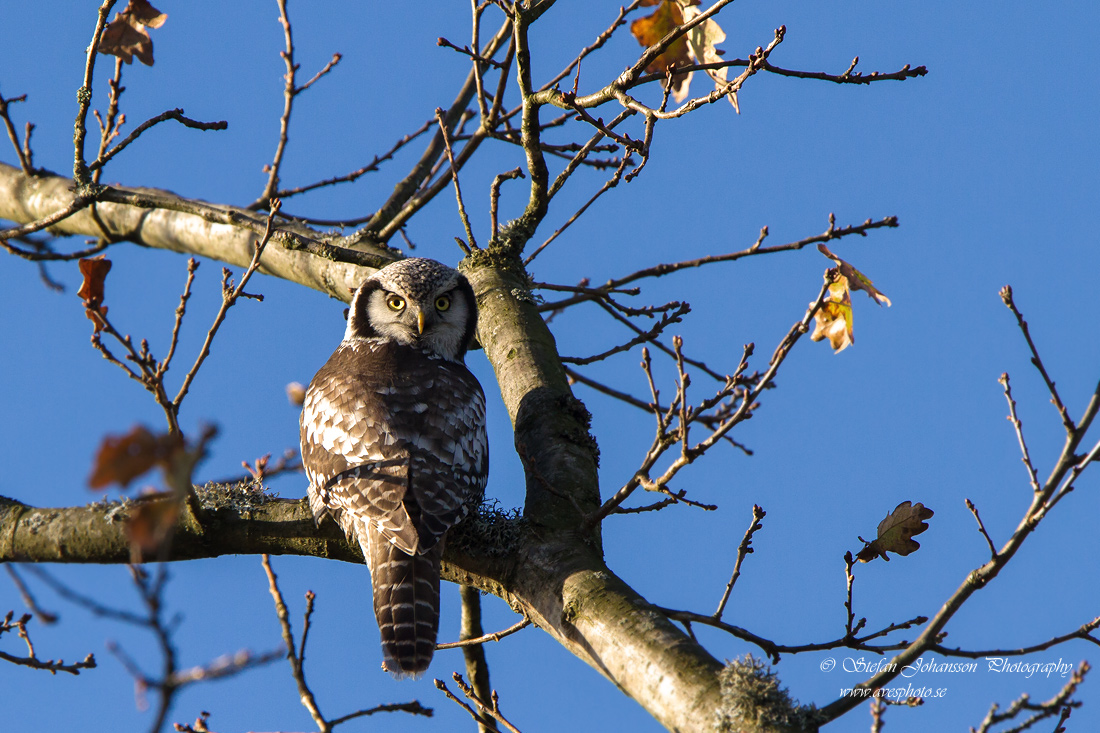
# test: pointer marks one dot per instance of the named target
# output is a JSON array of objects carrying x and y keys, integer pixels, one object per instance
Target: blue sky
[{"x": 989, "y": 161}]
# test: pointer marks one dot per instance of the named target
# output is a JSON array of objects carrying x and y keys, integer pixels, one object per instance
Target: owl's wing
[{"x": 408, "y": 456}]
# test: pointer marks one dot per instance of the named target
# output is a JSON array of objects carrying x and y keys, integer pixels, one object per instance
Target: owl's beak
[{"x": 420, "y": 322}]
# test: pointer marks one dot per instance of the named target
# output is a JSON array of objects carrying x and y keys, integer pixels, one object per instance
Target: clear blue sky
[{"x": 990, "y": 162}]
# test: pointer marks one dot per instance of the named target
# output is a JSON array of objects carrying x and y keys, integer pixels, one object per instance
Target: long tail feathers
[{"x": 406, "y": 604}]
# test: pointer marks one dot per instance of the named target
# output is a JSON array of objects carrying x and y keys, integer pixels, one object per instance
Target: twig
[
  {"x": 666, "y": 320},
  {"x": 78, "y": 203},
  {"x": 465, "y": 50},
  {"x": 743, "y": 549},
  {"x": 110, "y": 124},
  {"x": 85, "y": 602},
  {"x": 1067, "y": 422},
  {"x": 1083, "y": 632},
  {"x": 607, "y": 186},
  {"x": 81, "y": 174},
  {"x": 477, "y": 668},
  {"x": 290, "y": 91},
  {"x": 981, "y": 527},
  {"x": 172, "y": 114},
  {"x": 23, "y": 155},
  {"x": 494, "y": 195},
  {"x": 756, "y": 249},
  {"x": 1059, "y": 705},
  {"x": 657, "y": 343},
  {"x": 850, "y": 627},
  {"x": 1012, "y": 417},
  {"x": 747, "y": 403},
  {"x": 52, "y": 666},
  {"x": 490, "y": 708},
  {"x": 44, "y": 616},
  {"x": 230, "y": 295},
  {"x": 470, "y": 244},
  {"x": 181, "y": 309},
  {"x": 495, "y": 636},
  {"x": 304, "y": 693},
  {"x": 285, "y": 193},
  {"x": 413, "y": 708}
]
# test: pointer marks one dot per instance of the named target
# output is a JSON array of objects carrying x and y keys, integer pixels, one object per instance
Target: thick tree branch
[{"x": 163, "y": 220}]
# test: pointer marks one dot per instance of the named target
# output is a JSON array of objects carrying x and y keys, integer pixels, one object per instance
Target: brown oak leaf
[
  {"x": 123, "y": 458},
  {"x": 95, "y": 272},
  {"x": 125, "y": 36},
  {"x": 150, "y": 524},
  {"x": 895, "y": 533},
  {"x": 650, "y": 29}
]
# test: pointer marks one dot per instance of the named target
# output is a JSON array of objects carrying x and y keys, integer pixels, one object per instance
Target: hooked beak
[{"x": 420, "y": 322}]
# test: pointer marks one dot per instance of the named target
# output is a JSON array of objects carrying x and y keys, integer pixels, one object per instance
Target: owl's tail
[{"x": 406, "y": 604}]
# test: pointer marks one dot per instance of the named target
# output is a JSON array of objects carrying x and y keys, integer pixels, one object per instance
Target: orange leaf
[
  {"x": 123, "y": 458},
  {"x": 95, "y": 272},
  {"x": 651, "y": 29}
]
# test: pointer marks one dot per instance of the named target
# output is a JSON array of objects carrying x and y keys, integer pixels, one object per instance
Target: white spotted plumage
[{"x": 394, "y": 445}]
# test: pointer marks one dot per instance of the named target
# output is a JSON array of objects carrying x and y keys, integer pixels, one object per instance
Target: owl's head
[{"x": 416, "y": 302}]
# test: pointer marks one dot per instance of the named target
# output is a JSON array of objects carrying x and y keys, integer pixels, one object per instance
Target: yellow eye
[
  {"x": 442, "y": 303},
  {"x": 395, "y": 302}
]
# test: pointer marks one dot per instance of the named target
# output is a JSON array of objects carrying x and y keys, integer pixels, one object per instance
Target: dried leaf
[
  {"x": 123, "y": 458},
  {"x": 95, "y": 272},
  {"x": 833, "y": 319},
  {"x": 895, "y": 532},
  {"x": 125, "y": 36},
  {"x": 296, "y": 393},
  {"x": 856, "y": 279},
  {"x": 702, "y": 41},
  {"x": 150, "y": 524},
  {"x": 651, "y": 29},
  {"x": 146, "y": 14}
]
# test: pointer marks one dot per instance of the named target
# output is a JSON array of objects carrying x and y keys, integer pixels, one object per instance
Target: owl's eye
[
  {"x": 442, "y": 303},
  {"x": 395, "y": 302}
]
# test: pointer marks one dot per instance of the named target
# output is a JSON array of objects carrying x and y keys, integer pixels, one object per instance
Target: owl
[{"x": 394, "y": 445}]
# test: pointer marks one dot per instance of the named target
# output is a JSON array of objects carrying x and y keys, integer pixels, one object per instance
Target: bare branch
[
  {"x": 743, "y": 550},
  {"x": 81, "y": 174},
  {"x": 1067, "y": 422},
  {"x": 290, "y": 91},
  {"x": 374, "y": 165},
  {"x": 77, "y": 204},
  {"x": 9, "y": 623},
  {"x": 304, "y": 693},
  {"x": 981, "y": 528},
  {"x": 494, "y": 195},
  {"x": 172, "y": 114},
  {"x": 230, "y": 295},
  {"x": 490, "y": 710},
  {"x": 21, "y": 153},
  {"x": 470, "y": 243},
  {"x": 666, "y": 320},
  {"x": 1012, "y": 417},
  {"x": 495, "y": 636}
]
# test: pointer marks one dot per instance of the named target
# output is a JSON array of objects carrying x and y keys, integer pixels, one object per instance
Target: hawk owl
[{"x": 393, "y": 442}]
